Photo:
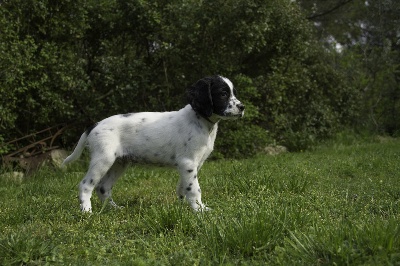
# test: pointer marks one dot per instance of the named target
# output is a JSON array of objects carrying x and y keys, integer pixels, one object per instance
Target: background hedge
[{"x": 83, "y": 60}]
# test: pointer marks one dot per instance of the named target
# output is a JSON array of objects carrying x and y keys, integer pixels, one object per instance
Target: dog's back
[{"x": 160, "y": 138}]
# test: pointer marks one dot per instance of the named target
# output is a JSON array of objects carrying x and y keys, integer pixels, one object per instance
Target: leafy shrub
[
  {"x": 240, "y": 140},
  {"x": 83, "y": 61}
]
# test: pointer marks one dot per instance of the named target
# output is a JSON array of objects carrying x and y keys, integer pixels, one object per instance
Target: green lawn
[{"x": 335, "y": 205}]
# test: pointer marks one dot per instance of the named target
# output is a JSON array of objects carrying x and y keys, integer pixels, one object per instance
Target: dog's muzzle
[{"x": 238, "y": 112}]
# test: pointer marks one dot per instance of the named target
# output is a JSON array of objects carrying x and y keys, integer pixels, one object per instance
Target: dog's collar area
[
  {"x": 208, "y": 119},
  {"x": 212, "y": 124}
]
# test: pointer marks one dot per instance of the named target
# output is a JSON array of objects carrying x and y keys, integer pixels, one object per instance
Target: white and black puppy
[{"x": 182, "y": 139}]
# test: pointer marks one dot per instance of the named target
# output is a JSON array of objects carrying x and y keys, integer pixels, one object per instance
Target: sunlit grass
[{"x": 336, "y": 205}]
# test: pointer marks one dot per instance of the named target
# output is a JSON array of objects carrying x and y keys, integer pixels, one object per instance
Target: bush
[{"x": 79, "y": 62}]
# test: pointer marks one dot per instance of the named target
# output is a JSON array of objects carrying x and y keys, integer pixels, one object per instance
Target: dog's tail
[{"x": 78, "y": 150}]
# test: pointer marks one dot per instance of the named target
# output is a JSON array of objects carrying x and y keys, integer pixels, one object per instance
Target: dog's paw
[
  {"x": 115, "y": 205},
  {"x": 205, "y": 209},
  {"x": 86, "y": 208},
  {"x": 202, "y": 208}
]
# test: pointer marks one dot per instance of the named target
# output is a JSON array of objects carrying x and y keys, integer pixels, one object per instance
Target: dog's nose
[{"x": 241, "y": 107}]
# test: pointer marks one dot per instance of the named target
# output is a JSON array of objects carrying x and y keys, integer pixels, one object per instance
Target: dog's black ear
[{"x": 199, "y": 97}]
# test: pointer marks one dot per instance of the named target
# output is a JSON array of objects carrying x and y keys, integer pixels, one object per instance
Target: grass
[{"x": 339, "y": 204}]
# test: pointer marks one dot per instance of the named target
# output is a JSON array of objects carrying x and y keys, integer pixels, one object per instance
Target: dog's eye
[{"x": 224, "y": 94}]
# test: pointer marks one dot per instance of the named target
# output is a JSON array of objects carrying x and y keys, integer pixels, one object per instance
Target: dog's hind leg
[
  {"x": 104, "y": 188},
  {"x": 97, "y": 170}
]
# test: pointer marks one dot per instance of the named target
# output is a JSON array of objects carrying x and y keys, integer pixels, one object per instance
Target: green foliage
[
  {"x": 380, "y": 94},
  {"x": 339, "y": 204},
  {"x": 304, "y": 102},
  {"x": 40, "y": 69},
  {"x": 368, "y": 35},
  {"x": 240, "y": 139},
  {"x": 81, "y": 61}
]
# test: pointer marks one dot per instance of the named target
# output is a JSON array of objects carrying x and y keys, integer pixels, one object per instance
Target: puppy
[{"x": 182, "y": 139}]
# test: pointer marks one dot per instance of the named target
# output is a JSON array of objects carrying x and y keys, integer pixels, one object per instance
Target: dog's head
[{"x": 215, "y": 95}]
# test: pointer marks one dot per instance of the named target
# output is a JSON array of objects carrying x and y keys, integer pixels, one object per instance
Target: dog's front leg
[{"x": 188, "y": 186}]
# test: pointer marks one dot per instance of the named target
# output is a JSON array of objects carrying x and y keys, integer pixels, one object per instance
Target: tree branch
[{"x": 326, "y": 12}]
